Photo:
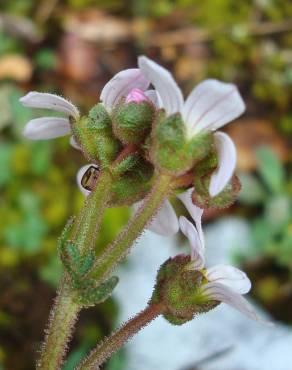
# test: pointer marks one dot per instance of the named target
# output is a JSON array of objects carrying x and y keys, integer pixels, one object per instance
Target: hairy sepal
[
  {"x": 94, "y": 134},
  {"x": 178, "y": 288},
  {"x": 132, "y": 121},
  {"x": 225, "y": 199},
  {"x": 170, "y": 151},
  {"x": 132, "y": 185}
]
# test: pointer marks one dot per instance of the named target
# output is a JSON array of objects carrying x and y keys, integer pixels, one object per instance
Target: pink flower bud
[{"x": 136, "y": 96}]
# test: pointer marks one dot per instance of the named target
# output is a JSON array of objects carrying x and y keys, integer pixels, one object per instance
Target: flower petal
[
  {"x": 224, "y": 294},
  {"x": 152, "y": 96},
  {"x": 162, "y": 80},
  {"x": 230, "y": 276},
  {"x": 136, "y": 96},
  {"x": 197, "y": 249},
  {"x": 46, "y": 128},
  {"x": 36, "y": 99},
  {"x": 195, "y": 212},
  {"x": 74, "y": 143},
  {"x": 211, "y": 105},
  {"x": 80, "y": 175},
  {"x": 227, "y": 162},
  {"x": 165, "y": 222},
  {"x": 121, "y": 85}
]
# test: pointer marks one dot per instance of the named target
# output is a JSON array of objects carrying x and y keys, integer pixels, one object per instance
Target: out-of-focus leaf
[
  {"x": 51, "y": 271},
  {"x": 261, "y": 235},
  {"x": 5, "y": 116},
  {"x": 270, "y": 169},
  {"x": 118, "y": 361},
  {"x": 252, "y": 191},
  {"x": 41, "y": 158},
  {"x": 76, "y": 355},
  {"x": 46, "y": 59},
  {"x": 278, "y": 211},
  {"x": 26, "y": 234},
  {"x": 5, "y": 169}
]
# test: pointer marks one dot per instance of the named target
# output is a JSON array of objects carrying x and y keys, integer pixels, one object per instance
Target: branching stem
[
  {"x": 122, "y": 244},
  {"x": 115, "y": 341}
]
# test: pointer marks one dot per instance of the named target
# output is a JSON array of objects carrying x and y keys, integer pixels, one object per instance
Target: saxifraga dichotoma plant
[{"x": 144, "y": 146}]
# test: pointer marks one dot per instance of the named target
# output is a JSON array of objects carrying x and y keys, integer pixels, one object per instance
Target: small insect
[{"x": 90, "y": 178}]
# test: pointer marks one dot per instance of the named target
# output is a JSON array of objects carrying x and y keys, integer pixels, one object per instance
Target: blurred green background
[{"x": 72, "y": 48}]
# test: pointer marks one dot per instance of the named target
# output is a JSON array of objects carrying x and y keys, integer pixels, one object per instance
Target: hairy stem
[
  {"x": 115, "y": 341},
  {"x": 65, "y": 310},
  {"x": 61, "y": 322},
  {"x": 122, "y": 244},
  {"x": 88, "y": 221}
]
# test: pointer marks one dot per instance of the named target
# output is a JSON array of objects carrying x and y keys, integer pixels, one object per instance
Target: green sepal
[
  {"x": 171, "y": 151},
  {"x": 125, "y": 165},
  {"x": 100, "y": 118},
  {"x": 132, "y": 121},
  {"x": 90, "y": 295},
  {"x": 179, "y": 288},
  {"x": 133, "y": 185},
  {"x": 207, "y": 165},
  {"x": 94, "y": 134},
  {"x": 201, "y": 146},
  {"x": 107, "y": 149},
  {"x": 226, "y": 198}
]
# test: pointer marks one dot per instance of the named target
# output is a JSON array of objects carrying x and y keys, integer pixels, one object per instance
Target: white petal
[
  {"x": 46, "y": 128},
  {"x": 197, "y": 249},
  {"x": 74, "y": 143},
  {"x": 80, "y": 175},
  {"x": 230, "y": 276},
  {"x": 227, "y": 162},
  {"x": 162, "y": 80},
  {"x": 211, "y": 105},
  {"x": 152, "y": 96},
  {"x": 224, "y": 294},
  {"x": 195, "y": 212},
  {"x": 121, "y": 84},
  {"x": 165, "y": 222},
  {"x": 49, "y": 101}
]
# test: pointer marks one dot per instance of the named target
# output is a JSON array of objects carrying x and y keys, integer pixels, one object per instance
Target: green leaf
[
  {"x": 271, "y": 169},
  {"x": 93, "y": 295}
]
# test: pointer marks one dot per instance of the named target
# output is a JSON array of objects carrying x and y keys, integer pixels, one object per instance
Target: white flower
[
  {"x": 225, "y": 283},
  {"x": 209, "y": 106},
  {"x": 48, "y": 127},
  {"x": 121, "y": 85}
]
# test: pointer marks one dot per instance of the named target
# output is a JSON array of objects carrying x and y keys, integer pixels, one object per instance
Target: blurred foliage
[
  {"x": 269, "y": 191},
  {"x": 44, "y": 45}
]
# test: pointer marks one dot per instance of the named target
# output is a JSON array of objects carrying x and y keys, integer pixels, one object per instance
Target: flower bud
[
  {"x": 94, "y": 134},
  {"x": 171, "y": 151},
  {"x": 133, "y": 118},
  {"x": 132, "y": 185},
  {"x": 201, "y": 197},
  {"x": 178, "y": 288}
]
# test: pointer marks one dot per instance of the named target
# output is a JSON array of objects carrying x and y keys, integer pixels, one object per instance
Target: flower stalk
[
  {"x": 61, "y": 323},
  {"x": 65, "y": 310},
  {"x": 88, "y": 221},
  {"x": 115, "y": 341},
  {"x": 120, "y": 247}
]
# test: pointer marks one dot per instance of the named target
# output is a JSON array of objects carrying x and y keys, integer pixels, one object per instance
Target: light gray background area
[{"x": 241, "y": 343}]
